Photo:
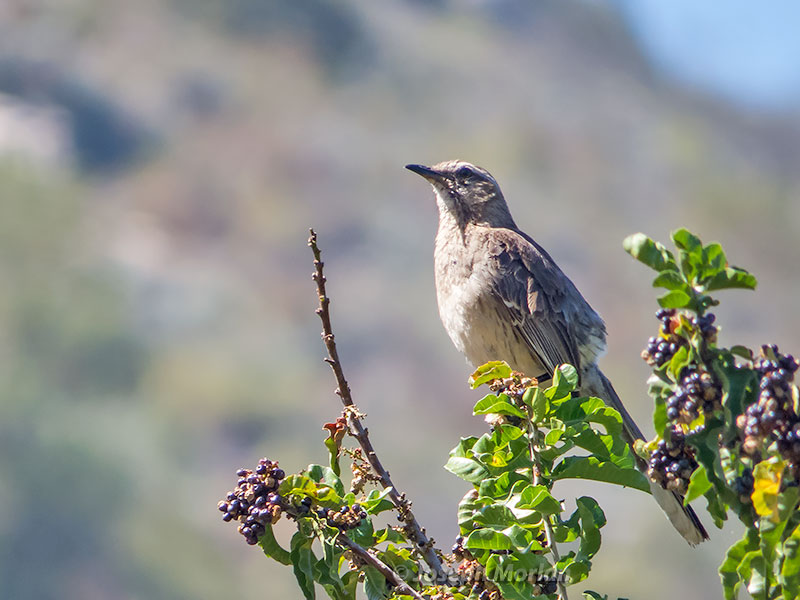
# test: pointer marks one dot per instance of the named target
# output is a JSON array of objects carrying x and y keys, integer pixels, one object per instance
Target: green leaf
[
  {"x": 758, "y": 575},
  {"x": 651, "y": 253},
  {"x": 675, "y": 299},
  {"x": 326, "y": 475},
  {"x": 363, "y": 534},
  {"x": 790, "y": 569},
  {"x": 388, "y": 535},
  {"x": 729, "y": 569},
  {"x": 681, "y": 359},
  {"x": 522, "y": 539},
  {"x": 494, "y": 516},
  {"x": 297, "y": 484},
  {"x": 499, "y": 488},
  {"x": 333, "y": 451},
  {"x": 538, "y": 498},
  {"x": 326, "y": 570},
  {"x": 698, "y": 485},
  {"x": 465, "y": 446},
  {"x": 660, "y": 416},
  {"x": 493, "y": 405},
  {"x": 495, "y": 369},
  {"x": 590, "y": 467},
  {"x": 590, "y": 595},
  {"x": 488, "y": 539},
  {"x": 671, "y": 280},
  {"x": 467, "y": 508},
  {"x": 565, "y": 379},
  {"x": 374, "y": 584},
  {"x": 467, "y": 469},
  {"x": 592, "y": 519},
  {"x": 716, "y": 507},
  {"x": 502, "y": 570},
  {"x": 714, "y": 260},
  {"x": 536, "y": 399},
  {"x": 742, "y": 352},
  {"x": 732, "y": 277},
  {"x": 303, "y": 560},
  {"x": 686, "y": 240},
  {"x": 272, "y": 548},
  {"x": 377, "y": 502}
]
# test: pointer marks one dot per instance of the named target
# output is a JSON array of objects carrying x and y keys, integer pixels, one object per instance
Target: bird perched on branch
[{"x": 502, "y": 297}]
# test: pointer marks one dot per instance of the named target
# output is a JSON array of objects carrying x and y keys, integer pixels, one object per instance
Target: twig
[
  {"x": 412, "y": 526},
  {"x": 390, "y": 575},
  {"x": 536, "y": 470}
]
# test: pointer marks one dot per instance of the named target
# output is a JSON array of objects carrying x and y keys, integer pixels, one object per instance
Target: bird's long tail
[{"x": 683, "y": 518}]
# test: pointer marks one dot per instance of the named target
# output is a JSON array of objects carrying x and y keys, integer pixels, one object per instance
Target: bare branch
[
  {"x": 372, "y": 560},
  {"x": 412, "y": 528}
]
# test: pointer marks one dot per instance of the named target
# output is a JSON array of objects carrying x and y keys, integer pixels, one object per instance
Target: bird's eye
[{"x": 464, "y": 173}]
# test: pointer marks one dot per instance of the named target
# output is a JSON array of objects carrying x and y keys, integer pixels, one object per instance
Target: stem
[
  {"x": 390, "y": 575},
  {"x": 412, "y": 527},
  {"x": 536, "y": 470}
]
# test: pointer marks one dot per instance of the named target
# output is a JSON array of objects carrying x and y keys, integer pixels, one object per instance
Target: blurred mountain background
[{"x": 161, "y": 162}]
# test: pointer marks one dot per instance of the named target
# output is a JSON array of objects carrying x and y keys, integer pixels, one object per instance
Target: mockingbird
[{"x": 501, "y": 297}]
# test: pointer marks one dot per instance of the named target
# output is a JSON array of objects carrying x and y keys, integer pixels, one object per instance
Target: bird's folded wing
[{"x": 532, "y": 289}]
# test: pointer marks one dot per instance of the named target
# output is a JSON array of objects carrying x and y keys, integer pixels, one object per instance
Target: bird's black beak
[{"x": 426, "y": 172}]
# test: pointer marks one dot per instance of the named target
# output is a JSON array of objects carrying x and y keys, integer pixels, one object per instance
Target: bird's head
[{"x": 467, "y": 193}]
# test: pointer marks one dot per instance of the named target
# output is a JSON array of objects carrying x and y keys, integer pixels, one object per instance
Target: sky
[{"x": 747, "y": 52}]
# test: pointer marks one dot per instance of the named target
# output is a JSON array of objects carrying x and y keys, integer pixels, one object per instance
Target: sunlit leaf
[
  {"x": 671, "y": 280},
  {"x": 732, "y": 277},
  {"x": 490, "y": 371},
  {"x": 377, "y": 501},
  {"x": 649, "y": 252},
  {"x": 589, "y": 467},
  {"x": 765, "y": 489},
  {"x": 729, "y": 569},
  {"x": 272, "y": 548},
  {"x": 686, "y": 240},
  {"x": 698, "y": 484},
  {"x": 538, "y": 498},
  {"x": 303, "y": 560},
  {"x": 790, "y": 569},
  {"x": 675, "y": 299},
  {"x": 467, "y": 469},
  {"x": 492, "y": 404},
  {"x": 565, "y": 379},
  {"x": 488, "y": 539}
]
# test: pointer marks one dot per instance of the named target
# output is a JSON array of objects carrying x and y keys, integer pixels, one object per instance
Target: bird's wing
[{"x": 537, "y": 297}]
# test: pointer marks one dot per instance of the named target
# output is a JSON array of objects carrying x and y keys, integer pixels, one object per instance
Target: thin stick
[
  {"x": 390, "y": 575},
  {"x": 412, "y": 528},
  {"x": 548, "y": 528}
]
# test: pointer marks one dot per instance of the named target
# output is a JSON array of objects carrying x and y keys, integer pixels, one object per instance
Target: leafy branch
[{"x": 727, "y": 421}]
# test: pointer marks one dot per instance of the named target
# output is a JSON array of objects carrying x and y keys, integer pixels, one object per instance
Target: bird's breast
[{"x": 469, "y": 313}]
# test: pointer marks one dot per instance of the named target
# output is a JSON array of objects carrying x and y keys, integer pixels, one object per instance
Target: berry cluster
[
  {"x": 660, "y": 349},
  {"x": 705, "y": 325},
  {"x": 254, "y": 503},
  {"x": 459, "y": 552},
  {"x": 473, "y": 574},
  {"x": 344, "y": 518},
  {"x": 698, "y": 392},
  {"x": 672, "y": 462},
  {"x": 514, "y": 387},
  {"x": 743, "y": 485},
  {"x": 773, "y": 415}
]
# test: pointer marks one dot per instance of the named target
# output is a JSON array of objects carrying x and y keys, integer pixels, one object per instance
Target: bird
[{"x": 501, "y": 296}]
